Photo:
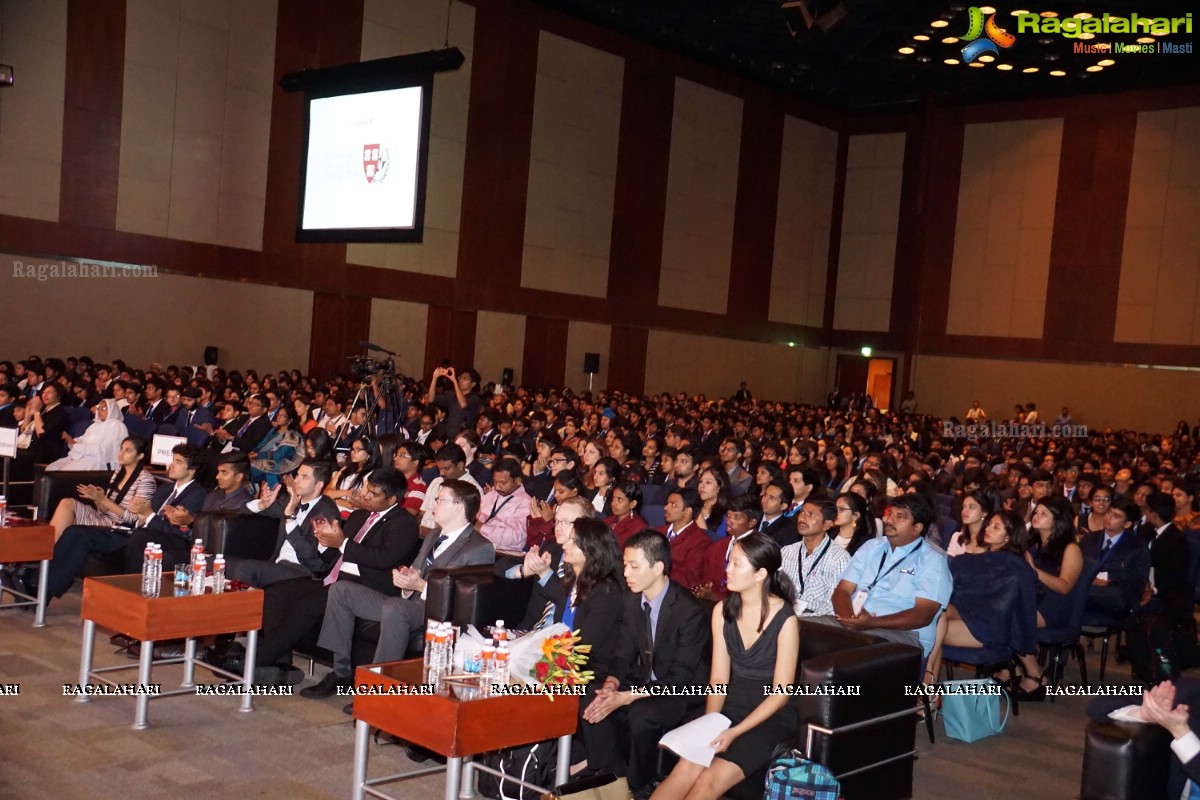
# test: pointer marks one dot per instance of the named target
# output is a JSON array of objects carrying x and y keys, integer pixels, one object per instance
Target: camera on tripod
[{"x": 364, "y": 368}]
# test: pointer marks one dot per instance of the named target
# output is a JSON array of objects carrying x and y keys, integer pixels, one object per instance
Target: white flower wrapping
[{"x": 523, "y": 653}]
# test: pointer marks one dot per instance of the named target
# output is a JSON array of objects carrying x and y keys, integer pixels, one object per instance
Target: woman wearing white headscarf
[{"x": 99, "y": 445}]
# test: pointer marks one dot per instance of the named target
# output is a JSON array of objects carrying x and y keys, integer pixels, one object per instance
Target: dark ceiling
[{"x": 849, "y": 59}]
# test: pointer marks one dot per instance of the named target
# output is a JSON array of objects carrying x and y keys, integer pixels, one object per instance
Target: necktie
[
  {"x": 300, "y": 509},
  {"x": 242, "y": 432},
  {"x": 548, "y": 612},
  {"x": 337, "y": 567},
  {"x": 647, "y": 641},
  {"x": 1107, "y": 546},
  {"x": 429, "y": 557},
  {"x": 170, "y": 500}
]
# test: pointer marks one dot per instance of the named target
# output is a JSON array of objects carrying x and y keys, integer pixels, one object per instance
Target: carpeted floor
[{"x": 201, "y": 747}]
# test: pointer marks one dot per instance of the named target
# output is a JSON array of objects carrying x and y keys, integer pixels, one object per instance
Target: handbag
[
  {"x": 971, "y": 708},
  {"x": 602, "y": 786},
  {"x": 791, "y": 775}
]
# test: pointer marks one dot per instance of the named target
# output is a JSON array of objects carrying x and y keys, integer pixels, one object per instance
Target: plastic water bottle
[
  {"x": 487, "y": 665},
  {"x": 430, "y": 635},
  {"x": 148, "y": 570},
  {"x": 199, "y": 564},
  {"x": 156, "y": 559},
  {"x": 3, "y": 508},
  {"x": 501, "y": 668},
  {"x": 197, "y": 548},
  {"x": 438, "y": 661},
  {"x": 218, "y": 573},
  {"x": 499, "y": 633}
]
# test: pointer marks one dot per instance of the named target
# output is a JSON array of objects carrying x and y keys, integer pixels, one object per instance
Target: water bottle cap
[{"x": 499, "y": 623}]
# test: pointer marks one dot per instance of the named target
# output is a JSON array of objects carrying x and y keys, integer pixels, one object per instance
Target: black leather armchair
[
  {"x": 236, "y": 535},
  {"x": 868, "y": 741},
  {"x": 1125, "y": 761}
]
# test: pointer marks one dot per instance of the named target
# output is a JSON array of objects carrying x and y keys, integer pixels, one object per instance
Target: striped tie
[
  {"x": 548, "y": 612},
  {"x": 429, "y": 558}
]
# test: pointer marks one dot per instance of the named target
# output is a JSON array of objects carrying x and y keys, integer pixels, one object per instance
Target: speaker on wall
[
  {"x": 211, "y": 354},
  {"x": 506, "y": 377},
  {"x": 591, "y": 363}
]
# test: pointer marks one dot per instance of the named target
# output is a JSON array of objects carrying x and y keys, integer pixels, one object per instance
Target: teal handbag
[{"x": 971, "y": 709}]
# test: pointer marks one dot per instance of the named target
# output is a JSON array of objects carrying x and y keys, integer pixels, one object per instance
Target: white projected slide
[{"x": 362, "y": 160}]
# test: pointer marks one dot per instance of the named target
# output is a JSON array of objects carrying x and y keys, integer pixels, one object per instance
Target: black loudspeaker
[
  {"x": 591, "y": 363},
  {"x": 210, "y": 355},
  {"x": 506, "y": 377}
]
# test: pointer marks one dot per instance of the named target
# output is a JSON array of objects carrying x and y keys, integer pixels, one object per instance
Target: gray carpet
[{"x": 201, "y": 747}]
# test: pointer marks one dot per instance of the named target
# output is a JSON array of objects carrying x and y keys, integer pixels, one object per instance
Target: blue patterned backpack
[{"x": 791, "y": 776}]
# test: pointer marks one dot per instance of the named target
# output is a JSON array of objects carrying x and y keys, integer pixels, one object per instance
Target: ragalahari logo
[{"x": 996, "y": 36}]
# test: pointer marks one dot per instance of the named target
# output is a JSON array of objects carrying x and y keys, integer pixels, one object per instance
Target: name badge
[
  {"x": 801, "y": 606},
  {"x": 859, "y": 600}
]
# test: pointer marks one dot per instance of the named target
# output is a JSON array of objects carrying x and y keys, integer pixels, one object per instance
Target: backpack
[
  {"x": 791, "y": 775},
  {"x": 531, "y": 763}
]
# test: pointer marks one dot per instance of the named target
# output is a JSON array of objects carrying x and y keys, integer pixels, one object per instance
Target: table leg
[
  {"x": 362, "y": 745},
  {"x": 248, "y": 671},
  {"x": 85, "y": 655},
  {"x": 562, "y": 770},
  {"x": 189, "y": 663},
  {"x": 39, "y": 621},
  {"x": 468, "y": 781},
  {"x": 453, "y": 777},
  {"x": 143, "y": 698}
]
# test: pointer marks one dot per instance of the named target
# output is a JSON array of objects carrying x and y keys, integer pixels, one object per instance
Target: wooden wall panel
[
  {"x": 545, "y": 360},
  {"x": 754, "y": 215},
  {"x": 339, "y": 323},
  {"x": 627, "y": 359},
  {"x": 450, "y": 334}
]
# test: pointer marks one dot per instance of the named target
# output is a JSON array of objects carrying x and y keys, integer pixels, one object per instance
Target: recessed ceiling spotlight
[
  {"x": 976, "y": 64},
  {"x": 1145, "y": 40},
  {"x": 987, "y": 9},
  {"x": 1019, "y": 12},
  {"x": 907, "y": 50},
  {"x": 1049, "y": 13},
  {"x": 1095, "y": 68},
  {"x": 950, "y": 61},
  {"x": 920, "y": 37},
  {"x": 1004, "y": 67},
  {"x": 1058, "y": 73},
  {"x": 987, "y": 59},
  {"x": 1029, "y": 70},
  {"x": 1083, "y": 15},
  {"x": 939, "y": 23},
  {"x": 950, "y": 40},
  {"x": 1087, "y": 35},
  {"x": 1108, "y": 62}
]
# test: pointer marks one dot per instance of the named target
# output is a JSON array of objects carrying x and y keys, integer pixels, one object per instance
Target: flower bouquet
[{"x": 562, "y": 661}]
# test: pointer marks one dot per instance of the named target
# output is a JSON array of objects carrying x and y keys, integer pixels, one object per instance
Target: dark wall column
[
  {"x": 545, "y": 360},
  {"x": 339, "y": 323},
  {"x": 627, "y": 358}
]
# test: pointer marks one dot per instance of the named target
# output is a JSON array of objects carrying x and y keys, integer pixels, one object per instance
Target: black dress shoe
[
  {"x": 326, "y": 687},
  {"x": 420, "y": 755},
  {"x": 122, "y": 641},
  {"x": 348, "y": 709},
  {"x": 162, "y": 650}
]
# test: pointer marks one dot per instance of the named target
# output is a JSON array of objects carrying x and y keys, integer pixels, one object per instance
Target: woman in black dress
[{"x": 756, "y": 643}]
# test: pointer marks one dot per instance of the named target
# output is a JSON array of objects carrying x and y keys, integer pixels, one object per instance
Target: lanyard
[
  {"x": 497, "y": 507},
  {"x": 880, "y": 576},
  {"x": 817, "y": 560}
]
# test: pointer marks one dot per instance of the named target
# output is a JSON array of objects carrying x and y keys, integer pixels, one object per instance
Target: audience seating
[
  {"x": 653, "y": 516},
  {"x": 1057, "y": 644}
]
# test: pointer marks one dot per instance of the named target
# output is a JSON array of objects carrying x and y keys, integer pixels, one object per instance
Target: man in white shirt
[
  {"x": 454, "y": 543},
  {"x": 815, "y": 563},
  {"x": 451, "y": 465}
]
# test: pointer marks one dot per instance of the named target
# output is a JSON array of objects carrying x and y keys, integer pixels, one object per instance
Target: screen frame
[{"x": 414, "y": 234}]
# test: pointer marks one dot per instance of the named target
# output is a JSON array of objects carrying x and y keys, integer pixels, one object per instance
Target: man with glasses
[
  {"x": 409, "y": 460},
  {"x": 453, "y": 543},
  {"x": 245, "y": 434},
  {"x": 542, "y": 562}
]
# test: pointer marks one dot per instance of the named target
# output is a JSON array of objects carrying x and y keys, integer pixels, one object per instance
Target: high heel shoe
[{"x": 1037, "y": 695}]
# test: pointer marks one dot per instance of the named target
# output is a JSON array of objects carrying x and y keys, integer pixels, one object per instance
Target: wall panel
[
  {"x": 499, "y": 344},
  {"x": 587, "y": 337},
  {"x": 400, "y": 327}
]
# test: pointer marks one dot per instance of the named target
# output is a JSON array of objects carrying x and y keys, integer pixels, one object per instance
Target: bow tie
[{"x": 300, "y": 509}]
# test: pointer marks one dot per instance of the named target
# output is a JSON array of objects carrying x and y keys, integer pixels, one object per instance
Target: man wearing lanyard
[
  {"x": 815, "y": 562},
  {"x": 896, "y": 587},
  {"x": 505, "y": 508}
]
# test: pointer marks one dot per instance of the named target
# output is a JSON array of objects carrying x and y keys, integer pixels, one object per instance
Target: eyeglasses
[
  {"x": 563, "y": 523},
  {"x": 558, "y": 461},
  {"x": 438, "y": 500}
]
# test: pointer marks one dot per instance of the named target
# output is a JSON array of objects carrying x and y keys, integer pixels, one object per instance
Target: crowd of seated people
[{"x": 840, "y": 513}]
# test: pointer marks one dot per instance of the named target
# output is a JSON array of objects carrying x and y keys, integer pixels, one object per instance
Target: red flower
[
  {"x": 543, "y": 669},
  {"x": 561, "y": 661}
]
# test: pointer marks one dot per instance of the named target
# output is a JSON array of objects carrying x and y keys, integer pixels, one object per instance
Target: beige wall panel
[
  {"x": 684, "y": 362},
  {"x": 587, "y": 337},
  {"x": 706, "y": 133},
  {"x": 1005, "y": 225},
  {"x": 396, "y": 27},
  {"x": 499, "y": 343},
  {"x": 400, "y": 327},
  {"x": 572, "y": 167},
  {"x": 870, "y": 220},
  {"x": 33, "y": 38},
  {"x": 1153, "y": 399},
  {"x": 196, "y": 116},
  {"x": 266, "y": 328},
  {"x": 806, "y": 176}
]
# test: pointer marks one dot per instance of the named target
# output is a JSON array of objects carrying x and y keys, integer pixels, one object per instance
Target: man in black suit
[
  {"x": 454, "y": 543},
  {"x": 1124, "y": 563},
  {"x": 186, "y": 493},
  {"x": 297, "y": 552},
  {"x": 376, "y": 539},
  {"x": 8, "y": 394},
  {"x": 156, "y": 408},
  {"x": 250, "y": 429},
  {"x": 777, "y": 497},
  {"x": 666, "y": 643},
  {"x": 1170, "y": 592}
]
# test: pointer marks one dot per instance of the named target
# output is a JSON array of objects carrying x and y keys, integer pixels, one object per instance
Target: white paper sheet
[{"x": 693, "y": 740}]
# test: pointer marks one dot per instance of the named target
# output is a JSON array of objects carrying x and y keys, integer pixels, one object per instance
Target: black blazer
[
  {"x": 597, "y": 618},
  {"x": 192, "y": 499},
  {"x": 303, "y": 541},
  {"x": 783, "y": 531},
  {"x": 49, "y": 446},
  {"x": 1169, "y": 557},
  {"x": 540, "y": 486},
  {"x": 254, "y": 434},
  {"x": 1127, "y": 565},
  {"x": 393, "y": 540},
  {"x": 681, "y": 648}
]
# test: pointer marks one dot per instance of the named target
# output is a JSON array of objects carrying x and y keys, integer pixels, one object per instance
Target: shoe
[
  {"x": 13, "y": 580},
  {"x": 122, "y": 641},
  {"x": 348, "y": 709},
  {"x": 162, "y": 650},
  {"x": 326, "y": 687},
  {"x": 1038, "y": 695},
  {"x": 420, "y": 755}
]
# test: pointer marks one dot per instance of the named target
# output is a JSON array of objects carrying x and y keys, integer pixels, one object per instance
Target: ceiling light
[
  {"x": 924, "y": 59},
  {"x": 1019, "y": 12},
  {"x": 1083, "y": 15},
  {"x": 976, "y": 64},
  {"x": 1029, "y": 70},
  {"x": 920, "y": 37},
  {"x": 939, "y": 23},
  {"x": 1145, "y": 40},
  {"x": 1004, "y": 67},
  {"x": 1108, "y": 62},
  {"x": 1058, "y": 73},
  {"x": 987, "y": 9},
  {"x": 987, "y": 59},
  {"x": 950, "y": 40},
  {"x": 1049, "y": 13},
  {"x": 950, "y": 61},
  {"x": 1087, "y": 35},
  {"x": 1095, "y": 68},
  {"x": 907, "y": 50}
]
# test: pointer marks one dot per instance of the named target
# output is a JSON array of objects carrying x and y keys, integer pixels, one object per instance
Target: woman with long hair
[
  {"x": 364, "y": 458},
  {"x": 1099, "y": 505},
  {"x": 756, "y": 643},
  {"x": 317, "y": 445},
  {"x": 713, "y": 489},
  {"x": 836, "y": 470},
  {"x": 605, "y": 474},
  {"x": 108, "y": 507},
  {"x": 625, "y": 520},
  {"x": 854, "y": 525},
  {"x": 280, "y": 453},
  {"x": 590, "y": 454},
  {"x": 977, "y": 508}
]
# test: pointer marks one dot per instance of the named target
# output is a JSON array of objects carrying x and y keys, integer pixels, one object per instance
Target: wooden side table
[
  {"x": 29, "y": 542},
  {"x": 116, "y": 602},
  {"x": 457, "y": 723}
]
